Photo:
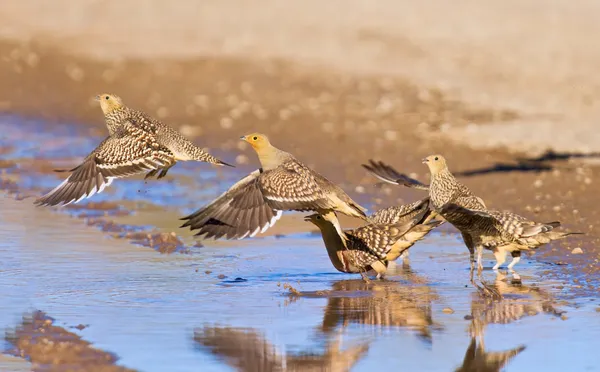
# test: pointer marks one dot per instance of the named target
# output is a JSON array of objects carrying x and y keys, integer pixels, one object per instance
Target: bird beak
[
  {"x": 97, "y": 98},
  {"x": 425, "y": 161},
  {"x": 243, "y": 138},
  {"x": 307, "y": 218}
]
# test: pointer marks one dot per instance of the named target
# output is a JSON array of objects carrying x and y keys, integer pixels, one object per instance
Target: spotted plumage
[
  {"x": 501, "y": 232},
  {"x": 372, "y": 246},
  {"x": 255, "y": 203},
  {"x": 136, "y": 144}
]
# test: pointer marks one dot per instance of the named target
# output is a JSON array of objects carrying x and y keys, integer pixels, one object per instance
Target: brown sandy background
[{"x": 489, "y": 84}]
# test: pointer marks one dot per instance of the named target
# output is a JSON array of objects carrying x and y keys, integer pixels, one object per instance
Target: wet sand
[
  {"x": 214, "y": 306},
  {"x": 53, "y": 348}
]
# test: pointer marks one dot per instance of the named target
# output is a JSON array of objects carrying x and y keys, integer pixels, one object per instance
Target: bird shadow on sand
[{"x": 543, "y": 163}]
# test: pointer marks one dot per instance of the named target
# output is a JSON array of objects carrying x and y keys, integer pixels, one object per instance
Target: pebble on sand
[
  {"x": 577, "y": 251},
  {"x": 448, "y": 310}
]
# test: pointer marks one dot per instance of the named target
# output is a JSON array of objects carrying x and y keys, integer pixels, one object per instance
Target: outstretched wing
[
  {"x": 388, "y": 174},
  {"x": 292, "y": 186},
  {"x": 122, "y": 154},
  {"x": 239, "y": 212}
]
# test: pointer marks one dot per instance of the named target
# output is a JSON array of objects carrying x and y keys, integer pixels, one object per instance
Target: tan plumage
[
  {"x": 246, "y": 350},
  {"x": 136, "y": 144},
  {"x": 371, "y": 247},
  {"x": 255, "y": 202},
  {"x": 477, "y": 359},
  {"x": 501, "y": 232},
  {"x": 380, "y": 305}
]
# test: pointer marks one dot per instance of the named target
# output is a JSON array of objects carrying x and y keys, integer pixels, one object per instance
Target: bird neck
[
  {"x": 114, "y": 112},
  {"x": 335, "y": 241},
  {"x": 443, "y": 185},
  {"x": 271, "y": 157}
]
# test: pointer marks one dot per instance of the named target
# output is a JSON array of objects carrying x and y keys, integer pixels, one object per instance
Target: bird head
[
  {"x": 436, "y": 163},
  {"x": 109, "y": 102},
  {"x": 256, "y": 140},
  {"x": 320, "y": 220}
]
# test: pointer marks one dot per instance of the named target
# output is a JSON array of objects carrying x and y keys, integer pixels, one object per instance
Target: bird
[
  {"x": 256, "y": 202},
  {"x": 245, "y": 349},
  {"x": 137, "y": 143},
  {"x": 498, "y": 231},
  {"x": 478, "y": 359},
  {"x": 373, "y": 246},
  {"x": 381, "y": 305}
]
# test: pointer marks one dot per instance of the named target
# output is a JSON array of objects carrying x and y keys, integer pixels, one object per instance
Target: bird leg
[
  {"x": 516, "y": 255},
  {"x": 365, "y": 278},
  {"x": 479, "y": 257},
  {"x": 500, "y": 255}
]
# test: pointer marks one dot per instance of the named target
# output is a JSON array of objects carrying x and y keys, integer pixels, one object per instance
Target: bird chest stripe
[{"x": 345, "y": 263}]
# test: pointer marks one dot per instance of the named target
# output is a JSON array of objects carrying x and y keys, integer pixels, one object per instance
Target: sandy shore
[{"x": 535, "y": 57}]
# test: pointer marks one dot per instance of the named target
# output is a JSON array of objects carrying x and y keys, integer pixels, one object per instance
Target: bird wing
[
  {"x": 388, "y": 174},
  {"x": 241, "y": 348},
  {"x": 504, "y": 223},
  {"x": 122, "y": 154},
  {"x": 378, "y": 239},
  {"x": 239, "y": 212},
  {"x": 293, "y": 186},
  {"x": 521, "y": 227},
  {"x": 469, "y": 201},
  {"x": 393, "y": 215}
]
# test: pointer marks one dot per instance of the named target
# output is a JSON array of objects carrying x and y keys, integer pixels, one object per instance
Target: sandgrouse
[
  {"x": 371, "y": 247},
  {"x": 256, "y": 202},
  {"x": 137, "y": 143},
  {"x": 500, "y": 232},
  {"x": 245, "y": 349}
]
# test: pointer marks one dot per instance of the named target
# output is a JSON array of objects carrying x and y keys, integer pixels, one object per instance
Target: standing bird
[
  {"x": 137, "y": 143},
  {"x": 372, "y": 247},
  {"x": 256, "y": 202},
  {"x": 500, "y": 232}
]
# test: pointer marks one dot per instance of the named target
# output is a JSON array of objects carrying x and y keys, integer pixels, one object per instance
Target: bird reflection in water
[
  {"x": 404, "y": 302},
  {"x": 247, "y": 350},
  {"x": 516, "y": 301}
]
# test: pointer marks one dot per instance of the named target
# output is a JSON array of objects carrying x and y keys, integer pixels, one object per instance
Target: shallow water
[
  {"x": 144, "y": 306},
  {"x": 167, "y": 312}
]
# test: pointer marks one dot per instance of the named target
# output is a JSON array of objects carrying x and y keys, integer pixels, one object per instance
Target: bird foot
[{"x": 365, "y": 278}]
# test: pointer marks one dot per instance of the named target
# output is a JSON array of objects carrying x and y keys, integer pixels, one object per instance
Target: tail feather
[{"x": 409, "y": 239}]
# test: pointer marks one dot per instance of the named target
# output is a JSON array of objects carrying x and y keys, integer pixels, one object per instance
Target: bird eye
[
  {"x": 106, "y": 98},
  {"x": 318, "y": 217},
  {"x": 255, "y": 138},
  {"x": 436, "y": 158}
]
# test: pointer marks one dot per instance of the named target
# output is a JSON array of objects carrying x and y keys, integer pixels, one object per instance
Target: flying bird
[
  {"x": 256, "y": 202},
  {"x": 137, "y": 144}
]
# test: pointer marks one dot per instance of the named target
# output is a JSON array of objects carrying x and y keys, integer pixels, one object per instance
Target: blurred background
[{"x": 495, "y": 73}]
